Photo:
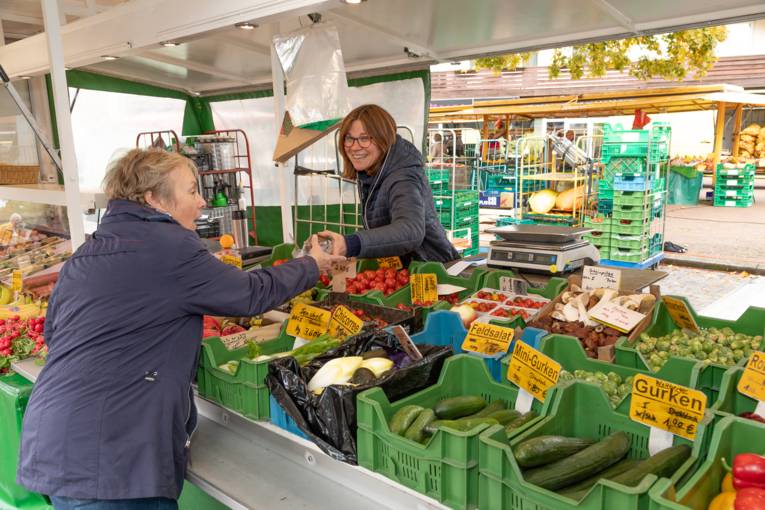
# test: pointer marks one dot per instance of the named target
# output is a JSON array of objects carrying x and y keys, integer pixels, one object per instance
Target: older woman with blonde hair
[{"x": 112, "y": 414}]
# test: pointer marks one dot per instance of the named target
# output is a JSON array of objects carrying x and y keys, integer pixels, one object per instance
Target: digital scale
[{"x": 541, "y": 248}]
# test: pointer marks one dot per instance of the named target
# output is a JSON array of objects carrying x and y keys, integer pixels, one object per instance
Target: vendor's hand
[
  {"x": 323, "y": 259},
  {"x": 338, "y": 242}
]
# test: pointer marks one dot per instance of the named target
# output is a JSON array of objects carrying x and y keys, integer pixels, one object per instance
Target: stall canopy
[{"x": 215, "y": 56}]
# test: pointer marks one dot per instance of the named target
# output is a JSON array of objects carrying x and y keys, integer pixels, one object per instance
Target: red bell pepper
[
  {"x": 748, "y": 471},
  {"x": 750, "y": 498}
]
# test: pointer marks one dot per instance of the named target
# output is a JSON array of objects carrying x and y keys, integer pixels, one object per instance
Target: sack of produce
[
  {"x": 321, "y": 396},
  {"x": 752, "y": 129}
]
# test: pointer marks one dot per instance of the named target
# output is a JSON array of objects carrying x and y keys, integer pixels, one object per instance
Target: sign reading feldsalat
[
  {"x": 488, "y": 339},
  {"x": 667, "y": 406},
  {"x": 600, "y": 278}
]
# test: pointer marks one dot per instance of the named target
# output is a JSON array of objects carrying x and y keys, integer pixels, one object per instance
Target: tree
[{"x": 670, "y": 56}]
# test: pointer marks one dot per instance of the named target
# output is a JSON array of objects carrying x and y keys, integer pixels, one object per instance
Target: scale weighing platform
[{"x": 541, "y": 248}]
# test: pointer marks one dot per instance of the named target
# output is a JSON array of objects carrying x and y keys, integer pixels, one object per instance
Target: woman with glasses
[{"x": 396, "y": 203}]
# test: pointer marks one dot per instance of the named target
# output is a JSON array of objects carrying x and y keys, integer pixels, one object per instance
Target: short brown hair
[
  {"x": 142, "y": 170},
  {"x": 378, "y": 124}
]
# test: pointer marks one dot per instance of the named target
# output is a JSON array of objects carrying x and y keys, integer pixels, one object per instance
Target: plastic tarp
[{"x": 684, "y": 186}]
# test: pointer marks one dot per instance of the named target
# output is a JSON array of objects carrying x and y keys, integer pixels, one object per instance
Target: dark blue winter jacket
[{"x": 112, "y": 414}]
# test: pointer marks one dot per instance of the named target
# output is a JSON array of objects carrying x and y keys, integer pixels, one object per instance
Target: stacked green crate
[
  {"x": 458, "y": 212},
  {"x": 600, "y": 237},
  {"x": 439, "y": 180},
  {"x": 734, "y": 187}
]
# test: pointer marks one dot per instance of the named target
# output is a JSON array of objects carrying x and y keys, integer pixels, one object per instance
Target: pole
[
  {"x": 277, "y": 80},
  {"x": 737, "y": 128},
  {"x": 52, "y": 21},
  {"x": 719, "y": 129}
]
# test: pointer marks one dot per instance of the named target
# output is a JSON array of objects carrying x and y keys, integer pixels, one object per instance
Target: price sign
[
  {"x": 514, "y": 285},
  {"x": 424, "y": 288},
  {"x": 340, "y": 272},
  {"x": 344, "y": 323},
  {"x": 308, "y": 321},
  {"x": 231, "y": 260},
  {"x": 533, "y": 371},
  {"x": 600, "y": 278},
  {"x": 488, "y": 339},
  {"x": 390, "y": 263},
  {"x": 667, "y": 406},
  {"x": 616, "y": 316},
  {"x": 752, "y": 382},
  {"x": 17, "y": 281},
  {"x": 680, "y": 314}
]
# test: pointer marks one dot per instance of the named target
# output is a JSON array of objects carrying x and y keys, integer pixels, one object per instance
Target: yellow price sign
[
  {"x": 752, "y": 382},
  {"x": 17, "y": 281},
  {"x": 487, "y": 338},
  {"x": 344, "y": 323},
  {"x": 390, "y": 263},
  {"x": 308, "y": 322},
  {"x": 533, "y": 371},
  {"x": 680, "y": 314},
  {"x": 667, "y": 406},
  {"x": 424, "y": 288},
  {"x": 231, "y": 260}
]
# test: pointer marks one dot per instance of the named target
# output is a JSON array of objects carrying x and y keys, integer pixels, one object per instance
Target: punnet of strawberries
[{"x": 20, "y": 339}]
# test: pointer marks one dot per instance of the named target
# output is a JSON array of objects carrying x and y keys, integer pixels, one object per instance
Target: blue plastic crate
[
  {"x": 282, "y": 420},
  {"x": 443, "y": 327}
]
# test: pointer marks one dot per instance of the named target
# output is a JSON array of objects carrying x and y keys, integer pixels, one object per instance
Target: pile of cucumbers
[
  {"x": 462, "y": 414},
  {"x": 571, "y": 466}
]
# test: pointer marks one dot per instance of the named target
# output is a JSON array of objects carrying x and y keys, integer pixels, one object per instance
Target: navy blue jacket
[
  {"x": 111, "y": 415},
  {"x": 398, "y": 211}
]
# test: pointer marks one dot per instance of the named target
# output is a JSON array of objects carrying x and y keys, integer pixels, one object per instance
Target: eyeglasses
[{"x": 364, "y": 141}]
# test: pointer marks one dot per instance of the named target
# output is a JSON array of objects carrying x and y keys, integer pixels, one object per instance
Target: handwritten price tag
[
  {"x": 752, "y": 382},
  {"x": 533, "y": 371},
  {"x": 344, "y": 323},
  {"x": 231, "y": 260},
  {"x": 424, "y": 288},
  {"x": 600, "y": 278},
  {"x": 17, "y": 281},
  {"x": 308, "y": 321},
  {"x": 680, "y": 314},
  {"x": 488, "y": 339},
  {"x": 667, "y": 406},
  {"x": 390, "y": 263},
  {"x": 616, "y": 316}
]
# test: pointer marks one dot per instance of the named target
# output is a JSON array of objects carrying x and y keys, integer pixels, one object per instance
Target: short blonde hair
[{"x": 142, "y": 170}]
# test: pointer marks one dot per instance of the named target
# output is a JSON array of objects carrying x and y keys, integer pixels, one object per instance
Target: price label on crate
[
  {"x": 680, "y": 314},
  {"x": 514, "y": 285},
  {"x": 17, "y": 281},
  {"x": 752, "y": 382},
  {"x": 667, "y": 406},
  {"x": 344, "y": 323},
  {"x": 424, "y": 288},
  {"x": 533, "y": 371},
  {"x": 390, "y": 263},
  {"x": 308, "y": 321},
  {"x": 600, "y": 278},
  {"x": 487, "y": 338}
]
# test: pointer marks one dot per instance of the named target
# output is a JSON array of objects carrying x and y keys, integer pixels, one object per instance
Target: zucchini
[
  {"x": 457, "y": 407},
  {"x": 520, "y": 421},
  {"x": 505, "y": 416},
  {"x": 580, "y": 489},
  {"x": 403, "y": 419},
  {"x": 493, "y": 407},
  {"x": 542, "y": 450},
  {"x": 663, "y": 464},
  {"x": 416, "y": 431},
  {"x": 581, "y": 465}
]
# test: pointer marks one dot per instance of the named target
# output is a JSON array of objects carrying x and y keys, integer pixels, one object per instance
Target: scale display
[{"x": 525, "y": 257}]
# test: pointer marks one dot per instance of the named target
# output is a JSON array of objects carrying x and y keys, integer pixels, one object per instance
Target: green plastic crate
[
  {"x": 626, "y": 255},
  {"x": 578, "y": 409},
  {"x": 735, "y": 183},
  {"x": 438, "y": 175},
  {"x": 630, "y": 243},
  {"x": 446, "y": 467},
  {"x": 568, "y": 351},
  {"x": 600, "y": 223},
  {"x": 554, "y": 286},
  {"x": 625, "y": 166},
  {"x": 280, "y": 251},
  {"x": 471, "y": 284},
  {"x": 731, "y": 437},
  {"x": 634, "y": 228},
  {"x": 728, "y": 202},
  {"x": 729, "y": 400},
  {"x": 461, "y": 199},
  {"x": 633, "y": 198},
  {"x": 652, "y": 144},
  {"x": 734, "y": 194},
  {"x": 732, "y": 173},
  {"x": 245, "y": 391},
  {"x": 468, "y": 216},
  {"x": 708, "y": 377}
]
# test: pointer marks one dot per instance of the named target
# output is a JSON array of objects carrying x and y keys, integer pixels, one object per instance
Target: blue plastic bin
[{"x": 282, "y": 420}]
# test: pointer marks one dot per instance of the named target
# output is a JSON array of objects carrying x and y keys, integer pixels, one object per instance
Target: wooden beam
[
  {"x": 737, "y": 129},
  {"x": 719, "y": 130}
]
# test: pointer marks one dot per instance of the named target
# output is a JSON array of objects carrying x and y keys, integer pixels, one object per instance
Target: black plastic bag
[{"x": 330, "y": 418}]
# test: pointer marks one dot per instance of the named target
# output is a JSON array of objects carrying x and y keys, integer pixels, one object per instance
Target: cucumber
[
  {"x": 505, "y": 416},
  {"x": 416, "y": 431},
  {"x": 581, "y": 465},
  {"x": 493, "y": 407},
  {"x": 403, "y": 419},
  {"x": 542, "y": 450},
  {"x": 663, "y": 464},
  {"x": 580, "y": 489},
  {"x": 462, "y": 425},
  {"x": 457, "y": 407},
  {"x": 520, "y": 421}
]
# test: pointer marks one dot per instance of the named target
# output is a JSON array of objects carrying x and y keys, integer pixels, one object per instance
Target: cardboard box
[
  {"x": 497, "y": 199},
  {"x": 293, "y": 139}
]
